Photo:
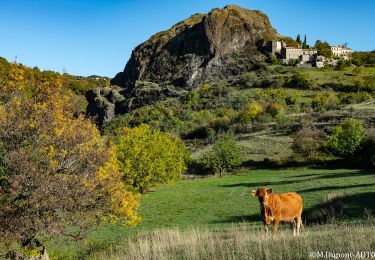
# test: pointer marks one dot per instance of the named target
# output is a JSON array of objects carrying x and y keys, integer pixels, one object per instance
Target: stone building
[
  {"x": 341, "y": 51},
  {"x": 302, "y": 55},
  {"x": 276, "y": 46}
]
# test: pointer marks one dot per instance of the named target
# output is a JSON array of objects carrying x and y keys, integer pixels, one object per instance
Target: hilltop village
[{"x": 306, "y": 56}]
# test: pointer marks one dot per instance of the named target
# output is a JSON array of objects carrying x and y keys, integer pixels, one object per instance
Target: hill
[{"x": 204, "y": 47}]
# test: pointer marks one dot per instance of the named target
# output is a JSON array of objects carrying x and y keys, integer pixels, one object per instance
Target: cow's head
[{"x": 262, "y": 195}]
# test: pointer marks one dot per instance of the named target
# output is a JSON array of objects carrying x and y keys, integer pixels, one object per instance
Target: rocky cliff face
[{"x": 204, "y": 47}]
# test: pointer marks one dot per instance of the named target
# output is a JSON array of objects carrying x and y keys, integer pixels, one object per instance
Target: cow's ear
[
  {"x": 254, "y": 193},
  {"x": 269, "y": 191}
]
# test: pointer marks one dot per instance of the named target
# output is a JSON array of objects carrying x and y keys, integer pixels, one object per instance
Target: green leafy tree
[
  {"x": 346, "y": 138},
  {"x": 225, "y": 154},
  {"x": 323, "y": 49},
  {"x": 150, "y": 157}
]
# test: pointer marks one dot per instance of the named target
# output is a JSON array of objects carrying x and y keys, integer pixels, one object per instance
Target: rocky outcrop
[
  {"x": 105, "y": 103},
  {"x": 204, "y": 47},
  {"x": 201, "y": 48}
]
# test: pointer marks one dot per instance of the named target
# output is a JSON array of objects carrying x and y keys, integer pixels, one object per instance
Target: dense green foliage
[
  {"x": 346, "y": 138},
  {"x": 364, "y": 58},
  {"x": 148, "y": 158},
  {"x": 323, "y": 49},
  {"x": 225, "y": 153}
]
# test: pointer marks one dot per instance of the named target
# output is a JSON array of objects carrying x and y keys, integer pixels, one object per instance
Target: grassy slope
[{"x": 217, "y": 203}]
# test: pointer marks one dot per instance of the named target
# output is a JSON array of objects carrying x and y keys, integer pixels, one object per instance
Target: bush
[
  {"x": 275, "y": 109},
  {"x": 300, "y": 80},
  {"x": 225, "y": 154},
  {"x": 150, "y": 157},
  {"x": 324, "y": 101},
  {"x": 249, "y": 112},
  {"x": 346, "y": 138},
  {"x": 356, "y": 97},
  {"x": 365, "y": 154},
  {"x": 306, "y": 143}
]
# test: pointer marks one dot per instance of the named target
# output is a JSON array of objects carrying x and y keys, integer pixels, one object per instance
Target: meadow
[{"x": 223, "y": 207}]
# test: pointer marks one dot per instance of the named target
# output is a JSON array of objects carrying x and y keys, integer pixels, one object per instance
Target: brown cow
[{"x": 279, "y": 207}]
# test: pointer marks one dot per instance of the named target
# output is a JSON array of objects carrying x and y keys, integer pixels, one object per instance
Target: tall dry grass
[{"x": 245, "y": 242}]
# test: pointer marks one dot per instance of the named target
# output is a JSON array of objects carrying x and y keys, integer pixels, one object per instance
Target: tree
[
  {"x": 323, "y": 49},
  {"x": 150, "y": 157},
  {"x": 346, "y": 138},
  {"x": 304, "y": 45},
  {"x": 298, "y": 39},
  {"x": 225, "y": 153},
  {"x": 55, "y": 169}
]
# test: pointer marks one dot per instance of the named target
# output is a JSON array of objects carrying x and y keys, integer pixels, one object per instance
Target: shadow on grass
[
  {"x": 261, "y": 183},
  {"x": 313, "y": 164},
  {"x": 317, "y": 176},
  {"x": 340, "y": 207},
  {"x": 337, "y": 187}
]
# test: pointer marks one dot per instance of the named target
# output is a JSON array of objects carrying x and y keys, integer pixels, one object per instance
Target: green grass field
[{"x": 218, "y": 203}]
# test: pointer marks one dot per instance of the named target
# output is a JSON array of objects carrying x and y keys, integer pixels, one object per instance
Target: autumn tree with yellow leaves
[
  {"x": 56, "y": 171},
  {"x": 149, "y": 157}
]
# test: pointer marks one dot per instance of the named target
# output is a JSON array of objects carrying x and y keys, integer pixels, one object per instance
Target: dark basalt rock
[{"x": 202, "y": 48}]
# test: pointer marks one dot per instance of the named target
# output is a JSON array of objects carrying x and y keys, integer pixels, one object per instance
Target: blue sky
[{"x": 87, "y": 37}]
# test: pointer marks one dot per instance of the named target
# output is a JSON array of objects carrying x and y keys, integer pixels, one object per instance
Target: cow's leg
[
  {"x": 265, "y": 227},
  {"x": 275, "y": 226},
  {"x": 299, "y": 223},
  {"x": 294, "y": 227},
  {"x": 265, "y": 230}
]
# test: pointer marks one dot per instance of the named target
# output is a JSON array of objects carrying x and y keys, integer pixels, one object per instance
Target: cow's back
[{"x": 290, "y": 205}]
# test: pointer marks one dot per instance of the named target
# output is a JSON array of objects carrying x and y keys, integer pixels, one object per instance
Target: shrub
[
  {"x": 324, "y": 101},
  {"x": 300, "y": 80},
  {"x": 346, "y": 138},
  {"x": 275, "y": 109},
  {"x": 358, "y": 82},
  {"x": 306, "y": 143},
  {"x": 292, "y": 99},
  {"x": 150, "y": 157},
  {"x": 357, "y": 70},
  {"x": 225, "y": 153},
  {"x": 365, "y": 154},
  {"x": 340, "y": 65},
  {"x": 351, "y": 98},
  {"x": 249, "y": 112}
]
